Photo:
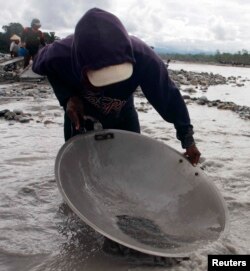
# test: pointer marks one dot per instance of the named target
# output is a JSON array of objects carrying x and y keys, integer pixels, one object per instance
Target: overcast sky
[{"x": 205, "y": 25}]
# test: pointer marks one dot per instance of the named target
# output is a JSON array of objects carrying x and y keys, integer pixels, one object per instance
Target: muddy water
[{"x": 38, "y": 232}]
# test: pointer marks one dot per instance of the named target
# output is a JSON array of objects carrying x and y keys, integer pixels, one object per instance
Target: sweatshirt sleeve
[
  {"x": 62, "y": 89},
  {"x": 46, "y": 61},
  {"x": 166, "y": 98},
  {"x": 56, "y": 67}
]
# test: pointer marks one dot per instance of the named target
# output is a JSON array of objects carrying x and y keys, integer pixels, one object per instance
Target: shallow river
[{"x": 37, "y": 230}]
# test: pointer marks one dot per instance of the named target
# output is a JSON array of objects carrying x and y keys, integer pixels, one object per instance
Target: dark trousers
[
  {"x": 31, "y": 52},
  {"x": 128, "y": 121}
]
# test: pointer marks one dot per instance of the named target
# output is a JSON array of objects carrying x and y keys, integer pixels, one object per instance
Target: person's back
[
  {"x": 32, "y": 37},
  {"x": 96, "y": 71},
  {"x": 32, "y": 40}
]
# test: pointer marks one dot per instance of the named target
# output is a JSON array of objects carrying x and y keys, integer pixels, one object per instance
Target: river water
[{"x": 39, "y": 232}]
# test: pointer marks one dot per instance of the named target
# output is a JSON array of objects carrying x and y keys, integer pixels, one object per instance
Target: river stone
[
  {"x": 42, "y": 90},
  {"x": 24, "y": 119},
  {"x": 9, "y": 115},
  {"x": 203, "y": 88},
  {"x": 184, "y": 82},
  {"x": 48, "y": 122},
  {"x": 189, "y": 90},
  {"x": 2, "y": 92},
  {"x": 18, "y": 111},
  {"x": 57, "y": 114},
  {"x": 202, "y": 100},
  {"x": 3, "y": 112},
  {"x": 186, "y": 97}
]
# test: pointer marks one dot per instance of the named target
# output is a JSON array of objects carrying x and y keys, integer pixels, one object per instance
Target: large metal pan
[{"x": 140, "y": 193}]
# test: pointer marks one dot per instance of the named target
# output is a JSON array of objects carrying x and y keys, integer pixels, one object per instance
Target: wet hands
[
  {"x": 193, "y": 154},
  {"x": 75, "y": 111}
]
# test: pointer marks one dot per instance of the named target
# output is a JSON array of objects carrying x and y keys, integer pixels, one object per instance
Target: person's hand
[
  {"x": 193, "y": 154},
  {"x": 75, "y": 111}
]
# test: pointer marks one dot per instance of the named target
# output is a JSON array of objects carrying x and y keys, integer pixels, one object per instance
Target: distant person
[
  {"x": 32, "y": 39},
  {"x": 96, "y": 71},
  {"x": 14, "y": 48}
]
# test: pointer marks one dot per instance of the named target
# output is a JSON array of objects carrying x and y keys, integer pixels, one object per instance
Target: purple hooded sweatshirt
[{"x": 101, "y": 40}]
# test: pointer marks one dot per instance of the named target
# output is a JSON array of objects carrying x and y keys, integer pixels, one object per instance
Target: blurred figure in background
[
  {"x": 32, "y": 39},
  {"x": 14, "y": 46}
]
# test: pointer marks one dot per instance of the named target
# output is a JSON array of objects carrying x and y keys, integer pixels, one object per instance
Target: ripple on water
[
  {"x": 212, "y": 164},
  {"x": 32, "y": 225}
]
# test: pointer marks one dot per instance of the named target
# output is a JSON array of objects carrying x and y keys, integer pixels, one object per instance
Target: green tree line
[
  {"x": 16, "y": 28},
  {"x": 241, "y": 58}
]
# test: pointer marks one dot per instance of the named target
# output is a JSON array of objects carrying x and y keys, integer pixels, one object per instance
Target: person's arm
[
  {"x": 42, "y": 39},
  {"x": 63, "y": 90},
  {"x": 166, "y": 98},
  {"x": 11, "y": 49},
  {"x": 24, "y": 36},
  {"x": 54, "y": 63},
  {"x": 72, "y": 105},
  {"x": 46, "y": 62}
]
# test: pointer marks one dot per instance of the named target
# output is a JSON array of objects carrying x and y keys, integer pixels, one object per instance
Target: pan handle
[
  {"x": 87, "y": 124},
  {"x": 104, "y": 136}
]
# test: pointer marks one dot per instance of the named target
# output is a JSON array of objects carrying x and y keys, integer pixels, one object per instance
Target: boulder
[
  {"x": 189, "y": 90},
  {"x": 18, "y": 111},
  {"x": 9, "y": 115},
  {"x": 24, "y": 119},
  {"x": 3, "y": 112},
  {"x": 202, "y": 100},
  {"x": 186, "y": 97}
]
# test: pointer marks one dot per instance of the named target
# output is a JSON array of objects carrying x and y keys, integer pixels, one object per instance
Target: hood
[{"x": 100, "y": 40}]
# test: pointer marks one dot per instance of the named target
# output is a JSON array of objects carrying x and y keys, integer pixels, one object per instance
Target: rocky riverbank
[
  {"x": 46, "y": 236},
  {"x": 21, "y": 90},
  {"x": 9, "y": 72},
  {"x": 203, "y": 80},
  {"x": 28, "y": 91},
  {"x": 191, "y": 82},
  {"x": 188, "y": 82}
]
